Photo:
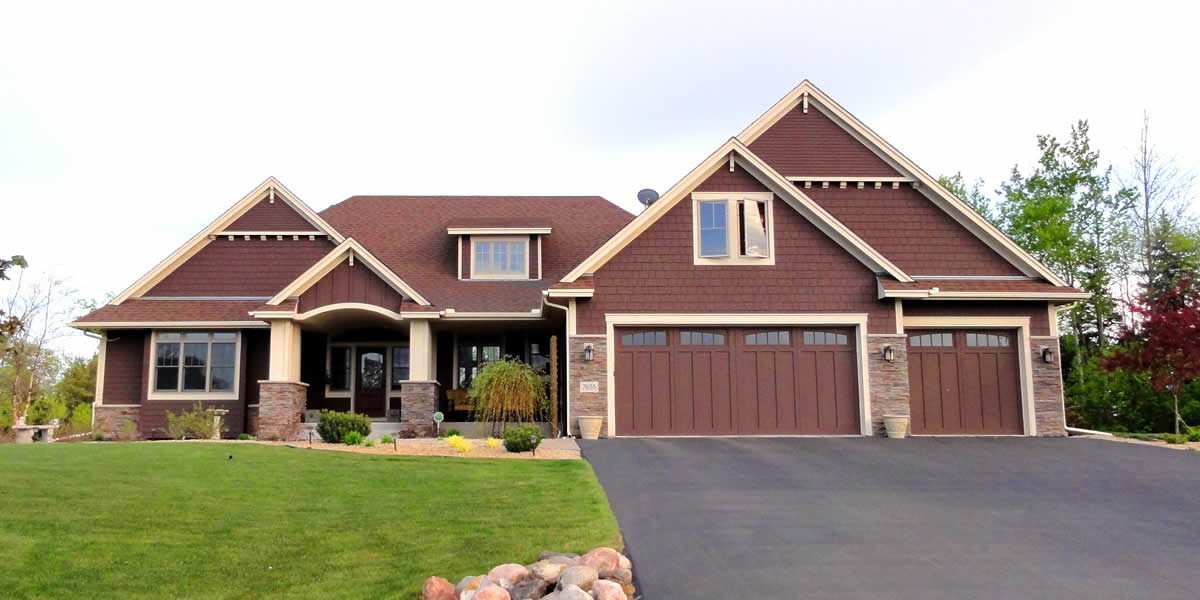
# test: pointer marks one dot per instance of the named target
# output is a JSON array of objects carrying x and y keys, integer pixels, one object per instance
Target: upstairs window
[
  {"x": 733, "y": 228},
  {"x": 499, "y": 258},
  {"x": 195, "y": 363}
]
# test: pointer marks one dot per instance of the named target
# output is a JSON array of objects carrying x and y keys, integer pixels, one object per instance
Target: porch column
[
  {"x": 419, "y": 395},
  {"x": 282, "y": 397}
]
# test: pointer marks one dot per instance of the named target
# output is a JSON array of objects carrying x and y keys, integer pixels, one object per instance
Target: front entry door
[{"x": 369, "y": 396}]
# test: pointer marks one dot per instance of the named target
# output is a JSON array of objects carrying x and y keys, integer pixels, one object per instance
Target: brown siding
[
  {"x": 256, "y": 365},
  {"x": 243, "y": 267},
  {"x": 466, "y": 257},
  {"x": 347, "y": 283},
  {"x": 654, "y": 273},
  {"x": 911, "y": 231},
  {"x": 1039, "y": 323},
  {"x": 268, "y": 216},
  {"x": 811, "y": 144},
  {"x": 124, "y": 367}
]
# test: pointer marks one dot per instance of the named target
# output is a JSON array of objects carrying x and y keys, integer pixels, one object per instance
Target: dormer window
[
  {"x": 733, "y": 228},
  {"x": 499, "y": 257}
]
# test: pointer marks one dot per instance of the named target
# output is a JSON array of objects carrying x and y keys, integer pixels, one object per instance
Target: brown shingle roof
[
  {"x": 172, "y": 311},
  {"x": 408, "y": 233}
]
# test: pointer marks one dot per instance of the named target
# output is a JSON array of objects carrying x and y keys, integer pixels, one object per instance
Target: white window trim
[
  {"x": 733, "y": 224},
  {"x": 524, "y": 274},
  {"x": 234, "y": 394},
  {"x": 389, "y": 393}
]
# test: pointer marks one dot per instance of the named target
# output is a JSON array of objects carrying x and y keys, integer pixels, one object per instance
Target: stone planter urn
[
  {"x": 896, "y": 425},
  {"x": 590, "y": 427}
]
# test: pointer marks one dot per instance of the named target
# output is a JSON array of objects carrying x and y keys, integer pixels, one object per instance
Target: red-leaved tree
[{"x": 1164, "y": 340}]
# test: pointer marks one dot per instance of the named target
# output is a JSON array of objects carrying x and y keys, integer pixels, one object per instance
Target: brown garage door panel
[
  {"x": 964, "y": 382},
  {"x": 688, "y": 381}
]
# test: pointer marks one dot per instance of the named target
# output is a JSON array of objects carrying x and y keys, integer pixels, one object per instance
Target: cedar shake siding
[
  {"x": 466, "y": 257},
  {"x": 810, "y": 144},
  {"x": 910, "y": 230},
  {"x": 256, "y": 361},
  {"x": 243, "y": 267},
  {"x": 1038, "y": 312},
  {"x": 125, "y": 367},
  {"x": 812, "y": 273},
  {"x": 347, "y": 283},
  {"x": 271, "y": 216}
]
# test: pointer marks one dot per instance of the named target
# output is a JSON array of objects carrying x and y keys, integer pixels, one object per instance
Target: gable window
[
  {"x": 733, "y": 228},
  {"x": 195, "y": 364},
  {"x": 499, "y": 258}
]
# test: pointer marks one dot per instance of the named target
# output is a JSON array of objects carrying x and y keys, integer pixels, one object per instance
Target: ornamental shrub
[
  {"x": 196, "y": 423},
  {"x": 386, "y": 439},
  {"x": 452, "y": 433},
  {"x": 245, "y": 436},
  {"x": 508, "y": 390},
  {"x": 493, "y": 443},
  {"x": 334, "y": 426},
  {"x": 522, "y": 438},
  {"x": 369, "y": 443},
  {"x": 1172, "y": 438},
  {"x": 352, "y": 438},
  {"x": 1193, "y": 434},
  {"x": 460, "y": 443}
]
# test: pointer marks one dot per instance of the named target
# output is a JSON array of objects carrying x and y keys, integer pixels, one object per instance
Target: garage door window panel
[{"x": 774, "y": 337}]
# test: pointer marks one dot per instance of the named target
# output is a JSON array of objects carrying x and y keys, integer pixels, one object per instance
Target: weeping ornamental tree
[
  {"x": 507, "y": 391},
  {"x": 1164, "y": 342}
]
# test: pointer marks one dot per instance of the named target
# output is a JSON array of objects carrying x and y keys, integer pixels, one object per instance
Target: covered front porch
[{"x": 396, "y": 371}]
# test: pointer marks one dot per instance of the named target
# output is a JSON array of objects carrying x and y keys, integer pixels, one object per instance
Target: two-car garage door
[{"x": 736, "y": 381}]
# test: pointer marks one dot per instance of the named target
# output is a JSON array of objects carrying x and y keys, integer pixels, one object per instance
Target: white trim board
[
  {"x": 814, "y": 98},
  {"x": 269, "y": 188},
  {"x": 857, "y": 320}
]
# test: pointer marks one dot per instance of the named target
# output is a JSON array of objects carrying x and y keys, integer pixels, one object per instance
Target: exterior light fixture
[
  {"x": 589, "y": 352},
  {"x": 889, "y": 353},
  {"x": 1048, "y": 355}
]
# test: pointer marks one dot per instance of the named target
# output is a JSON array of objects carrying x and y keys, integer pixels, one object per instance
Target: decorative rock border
[{"x": 602, "y": 574}]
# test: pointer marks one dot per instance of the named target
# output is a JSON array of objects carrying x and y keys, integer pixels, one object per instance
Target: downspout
[{"x": 566, "y": 362}]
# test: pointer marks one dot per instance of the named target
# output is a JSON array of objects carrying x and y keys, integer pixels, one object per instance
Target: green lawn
[{"x": 184, "y": 520}]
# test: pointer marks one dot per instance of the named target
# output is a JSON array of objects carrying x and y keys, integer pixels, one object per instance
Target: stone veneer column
[
  {"x": 280, "y": 408},
  {"x": 111, "y": 419},
  {"x": 888, "y": 380},
  {"x": 418, "y": 402},
  {"x": 1047, "y": 388},
  {"x": 587, "y": 404}
]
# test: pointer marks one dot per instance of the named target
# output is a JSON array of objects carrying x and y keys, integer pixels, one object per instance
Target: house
[{"x": 804, "y": 278}]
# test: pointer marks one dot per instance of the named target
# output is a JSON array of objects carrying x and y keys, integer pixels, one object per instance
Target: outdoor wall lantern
[
  {"x": 589, "y": 352},
  {"x": 889, "y": 353},
  {"x": 1048, "y": 355}
]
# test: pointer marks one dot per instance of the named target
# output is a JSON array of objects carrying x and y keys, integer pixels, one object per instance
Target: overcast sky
[{"x": 126, "y": 128}]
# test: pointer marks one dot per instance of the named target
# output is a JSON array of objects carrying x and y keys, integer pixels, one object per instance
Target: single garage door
[
  {"x": 736, "y": 381},
  {"x": 964, "y": 382}
]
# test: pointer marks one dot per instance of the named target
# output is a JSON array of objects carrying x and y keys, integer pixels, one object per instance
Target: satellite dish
[{"x": 647, "y": 197}]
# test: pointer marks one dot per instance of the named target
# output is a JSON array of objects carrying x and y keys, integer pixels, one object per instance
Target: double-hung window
[
  {"x": 499, "y": 258},
  {"x": 195, "y": 363},
  {"x": 733, "y": 228}
]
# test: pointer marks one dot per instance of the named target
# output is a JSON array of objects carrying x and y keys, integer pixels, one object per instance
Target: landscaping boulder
[
  {"x": 533, "y": 588},
  {"x": 601, "y": 559},
  {"x": 608, "y": 590},
  {"x": 624, "y": 562},
  {"x": 508, "y": 574},
  {"x": 436, "y": 588},
  {"x": 491, "y": 592},
  {"x": 621, "y": 576},
  {"x": 546, "y": 571},
  {"x": 580, "y": 576},
  {"x": 570, "y": 592}
]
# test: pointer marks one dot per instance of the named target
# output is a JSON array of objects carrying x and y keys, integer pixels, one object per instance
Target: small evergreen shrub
[
  {"x": 493, "y": 443},
  {"x": 352, "y": 438},
  {"x": 522, "y": 438},
  {"x": 334, "y": 426},
  {"x": 459, "y": 443},
  {"x": 453, "y": 432},
  {"x": 98, "y": 436},
  {"x": 245, "y": 436},
  {"x": 386, "y": 439}
]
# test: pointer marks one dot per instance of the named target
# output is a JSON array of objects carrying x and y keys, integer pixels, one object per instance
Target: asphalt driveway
[{"x": 917, "y": 518}]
